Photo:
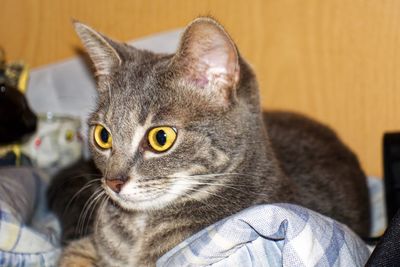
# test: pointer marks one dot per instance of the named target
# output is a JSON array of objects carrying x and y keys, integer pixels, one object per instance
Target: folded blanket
[
  {"x": 271, "y": 235},
  {"x": 29, "y": 234}
]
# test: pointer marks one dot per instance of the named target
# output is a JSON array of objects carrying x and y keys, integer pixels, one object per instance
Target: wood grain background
[{"x": 338, "y": 61}]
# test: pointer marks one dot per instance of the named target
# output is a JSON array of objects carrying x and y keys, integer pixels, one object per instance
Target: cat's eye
[
  {"x": 161, "y": 138},
  {"x": 102, "y": 137}
]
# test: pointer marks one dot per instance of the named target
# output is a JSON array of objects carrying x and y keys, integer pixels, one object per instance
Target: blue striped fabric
[
  {"x": 22, "y": 191},
  {"x": 25, "y": 246},
  {"x": 271, "y": 235}
]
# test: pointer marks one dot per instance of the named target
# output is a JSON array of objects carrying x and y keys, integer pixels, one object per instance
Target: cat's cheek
[{"x": 100, "y": 157}]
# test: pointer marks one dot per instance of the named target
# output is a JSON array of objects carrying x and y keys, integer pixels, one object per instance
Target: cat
[{"x": 181, "y": 142}]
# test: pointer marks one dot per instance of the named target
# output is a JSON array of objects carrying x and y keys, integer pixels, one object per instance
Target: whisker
[
  {"x": 212, "y": 178},
  {"x": 94, "y": 208},
  {"x": 85, "y": 187},
  {"x": 91, "y": 207},
  {"x": 220, "y": 174},
  {"x": 78, "y": 176},
  {"x": 87, "y": 205},
  {"x": 235, "y": 187},
  {"x": 192, "y": 198},
  {"x": 207, "y": 192}
]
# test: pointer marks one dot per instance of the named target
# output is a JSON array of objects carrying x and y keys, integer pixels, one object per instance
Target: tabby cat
[{"x": 181, "y": 143}]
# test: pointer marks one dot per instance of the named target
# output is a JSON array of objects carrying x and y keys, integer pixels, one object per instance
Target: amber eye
[
  {"x": 102, "y": 137},
  {"x": 161, "y": 138}
]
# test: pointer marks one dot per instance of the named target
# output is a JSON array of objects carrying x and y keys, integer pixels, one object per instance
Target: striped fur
[{"x": 223, "y": 160}]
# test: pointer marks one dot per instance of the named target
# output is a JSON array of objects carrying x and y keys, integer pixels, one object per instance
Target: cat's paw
[
  {"x": 79, "y": 253},
  {"x": 75, "y": 261}
]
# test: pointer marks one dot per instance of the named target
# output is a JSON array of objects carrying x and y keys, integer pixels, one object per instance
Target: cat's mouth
[{"x": 132, "y": 197}]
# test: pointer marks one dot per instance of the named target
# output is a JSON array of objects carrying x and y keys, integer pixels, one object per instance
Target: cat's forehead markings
[
  {"x": 143, "y": 114},
  {"x": 108, "y": 115},
  {"x": 139, "y": 134},
  {"x": 117, "y": 114},
  {"x": 109, "y": 90}
]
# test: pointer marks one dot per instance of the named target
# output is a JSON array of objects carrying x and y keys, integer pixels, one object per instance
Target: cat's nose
[{"x": 116, "y": 183}]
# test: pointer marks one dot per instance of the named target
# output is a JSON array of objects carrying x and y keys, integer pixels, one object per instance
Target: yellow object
[
  {"x": 69, "y": 135},
  {"x": 15, "y": 148},
  {"x": 23, "y": 78},
  {"x": 102, "y": 137},
  {"x": 16, "y": 75},
  {"x": 161, "y": 138}
]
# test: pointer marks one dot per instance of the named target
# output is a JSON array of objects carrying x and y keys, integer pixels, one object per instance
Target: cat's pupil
[
  {"x": 104, "y": 135},
  {"x": 161, "y": 137}
]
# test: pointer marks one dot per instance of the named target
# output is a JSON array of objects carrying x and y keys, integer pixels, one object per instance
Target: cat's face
[{"x": 168, "y": 126}]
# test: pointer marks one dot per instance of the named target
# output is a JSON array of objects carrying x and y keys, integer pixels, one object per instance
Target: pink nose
[{"x": 115, "y": 184}]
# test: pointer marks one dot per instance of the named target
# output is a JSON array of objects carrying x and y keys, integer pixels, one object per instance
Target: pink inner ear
[
  {"x": 213, "y": 63},
  {"x": 201, "y": 81},
  {"x": 207, "y": 58}
]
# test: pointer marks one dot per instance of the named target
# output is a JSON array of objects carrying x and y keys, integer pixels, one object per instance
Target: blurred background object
[
  {"x": 16, "y": 118},
  {"x": 56, "y": 144},
  {"x": 50, "y": 143},
  {"x": 17, "y": 121}
]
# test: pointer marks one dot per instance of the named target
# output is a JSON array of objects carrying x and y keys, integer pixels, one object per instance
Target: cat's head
[{"x": 171, "y": 128}]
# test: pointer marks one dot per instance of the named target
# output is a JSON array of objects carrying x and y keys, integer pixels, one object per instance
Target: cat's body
[
  {"x": 222, "y": 160},
  {"x": 326, "y": 174}
]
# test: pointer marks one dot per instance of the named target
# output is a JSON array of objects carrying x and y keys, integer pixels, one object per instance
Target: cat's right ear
[
  {"x": 101, "y": 49},
  {"x": 207, "y": 60}
]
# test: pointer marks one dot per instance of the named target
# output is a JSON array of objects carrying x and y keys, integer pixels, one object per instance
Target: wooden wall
[{"x": 336, "y": 60}]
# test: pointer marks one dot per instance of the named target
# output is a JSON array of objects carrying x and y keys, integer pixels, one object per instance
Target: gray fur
[{"x": 222, "y": 151}]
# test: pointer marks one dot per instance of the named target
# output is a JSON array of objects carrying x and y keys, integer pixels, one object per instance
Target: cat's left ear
[
  {"x": 102, "y": 50},
  {"x": 208, "y": 59}
]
